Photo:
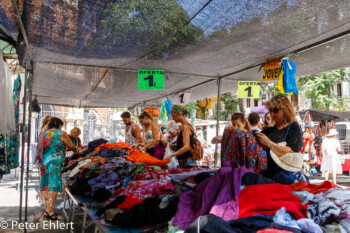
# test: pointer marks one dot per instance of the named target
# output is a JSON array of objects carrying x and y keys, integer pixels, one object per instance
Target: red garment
[
  {"x": 149, "y": 173},
  {"x": 122, "y": 145},
  {"x": 140, "y": 157},
  {"x": 129, "y": 202},
  {"x": 267, "y": 199},
  {"x": 313, "y": 188}
]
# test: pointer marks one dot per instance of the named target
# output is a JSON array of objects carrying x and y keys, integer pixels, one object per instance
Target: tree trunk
[{"x": 241, "y": 106}]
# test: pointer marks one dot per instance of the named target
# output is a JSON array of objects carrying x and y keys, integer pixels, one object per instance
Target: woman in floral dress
[{"x": 55, "y": 143}]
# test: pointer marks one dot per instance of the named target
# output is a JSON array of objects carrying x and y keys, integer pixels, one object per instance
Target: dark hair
[
  {"x": 55, "y": 123},
  {"x": 240, "y": 116},
  {"x": 145, "y": 114},
  {"x": 178, "y": 109},
  {"x": 125, "y": 115},
  {"x": 254, "y": 118}
]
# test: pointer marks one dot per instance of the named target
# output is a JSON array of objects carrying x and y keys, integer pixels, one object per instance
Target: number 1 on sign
[
  {"x": 249, "y": 89},
  {"x": 182, "y": 98},
  {"x": 150, "y": 80}
]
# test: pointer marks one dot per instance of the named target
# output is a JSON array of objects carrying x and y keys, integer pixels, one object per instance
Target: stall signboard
[
  {"x": 271, "y": 69},
  {"x": 153, "y": 112},
  {"x": 183, "y": 97},
  {"x": 249, "y": 89},
  {"x": 151, "y": 79}
]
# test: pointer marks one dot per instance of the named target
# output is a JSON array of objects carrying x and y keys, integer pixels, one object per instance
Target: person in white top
[
  {"x": 121, "y": 137},
  {"x": 133, "y": 134},
  {"x": 330, "y": 161}
]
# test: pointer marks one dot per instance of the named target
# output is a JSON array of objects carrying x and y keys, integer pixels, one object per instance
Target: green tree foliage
[
  {"x": 140, "y": 24},
  {"x": 228, "y": 106},
  {"x": 319, "y": 89}
]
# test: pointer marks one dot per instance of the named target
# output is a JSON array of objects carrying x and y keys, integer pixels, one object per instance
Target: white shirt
[{"x": 329, "y": 147}]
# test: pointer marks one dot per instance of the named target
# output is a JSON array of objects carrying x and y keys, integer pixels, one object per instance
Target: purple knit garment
[{"x": 217, "y": 195}]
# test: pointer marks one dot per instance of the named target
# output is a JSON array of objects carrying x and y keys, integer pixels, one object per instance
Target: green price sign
[
  {"x": 151, "y": 79},
  {"x": 248, "y": 89}
]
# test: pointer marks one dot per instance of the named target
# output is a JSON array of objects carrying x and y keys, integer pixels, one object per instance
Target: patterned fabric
[
  {"x": 9, "y": 141},
  {"x": 242, "y": 146},
  {"x": 3, "y": 154},
  {"x": 54, "y": 154},
  {"x": 13, "y": 157}
]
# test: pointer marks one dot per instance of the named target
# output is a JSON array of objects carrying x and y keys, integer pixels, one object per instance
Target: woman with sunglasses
[{"x": 286, "y": 129}]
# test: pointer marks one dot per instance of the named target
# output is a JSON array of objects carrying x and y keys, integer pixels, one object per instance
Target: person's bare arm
[
  {"x": 278, "y": 149},
  {"x": 155, "y": 133},
  {"x": 186, "y": 133},
  {"x": 80, "y": 145},
  {"x": 68, "y": 143},
  {"x": 135, "y": 132}
]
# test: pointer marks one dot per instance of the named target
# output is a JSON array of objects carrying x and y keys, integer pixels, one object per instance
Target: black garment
[
  {"x": 150, "y": 151},
  {"x": 76, "y": 141},
  {"x": 101, "y": 195},
  {"x": 253, "y": 178},
  {"x": 214, "y": 224},
  {"x": 293, "y": 137},
  {"x": 96, "y": 143},
  {"x": 180, "y": 144},
  {"x": 148, "y": 213},
  {"x": 111, "y": 205},
  {"x": 202, "y": 177}
]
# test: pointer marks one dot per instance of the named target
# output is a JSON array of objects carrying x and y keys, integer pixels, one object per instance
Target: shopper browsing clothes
[
  {"x": 330, "y": 162},
  {"x": 185, "y": 138},
  {"x": 40, "y": 145},
  {"x": 133, "y": 135},
  {"x": 74, "y": 136},
  {"x": 239, "y": 122},
  {"x": 55, "y": 141},
  {"x": 151, "y": 133},
  {"x": 283, "y": 142}
]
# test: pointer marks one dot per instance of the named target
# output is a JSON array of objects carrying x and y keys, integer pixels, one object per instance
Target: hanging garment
[
  {"x": 168, "y": 107},
  {"x": 217, "y": 195},
  {"x": 7, "y": 113},
  {"x": 267, "y": 199},
  {"x": 242, "y": 147},
  {"x": 13, "y": 156},
  {"x": 290, "y": 86},
  {"x": 163, "y": 112}
]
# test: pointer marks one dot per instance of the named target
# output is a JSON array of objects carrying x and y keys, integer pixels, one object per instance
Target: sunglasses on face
[{"x": 274, "y": 110}]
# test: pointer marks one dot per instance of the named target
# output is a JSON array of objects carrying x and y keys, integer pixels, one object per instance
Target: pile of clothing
[{"x": 131, "y": 189}]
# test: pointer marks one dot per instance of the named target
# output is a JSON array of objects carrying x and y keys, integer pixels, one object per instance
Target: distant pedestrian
[{"x": 330, "y": 161}]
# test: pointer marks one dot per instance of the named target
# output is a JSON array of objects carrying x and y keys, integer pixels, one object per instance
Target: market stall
[{"x": 84, "y": 57}]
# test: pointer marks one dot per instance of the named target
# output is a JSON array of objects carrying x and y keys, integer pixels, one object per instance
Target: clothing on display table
[{"x": 217, "y": 195}]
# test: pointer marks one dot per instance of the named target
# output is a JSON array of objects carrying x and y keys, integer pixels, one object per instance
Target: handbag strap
[{"x": 285, "y": 136}]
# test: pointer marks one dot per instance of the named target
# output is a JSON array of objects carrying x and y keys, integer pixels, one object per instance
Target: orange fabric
[
  {"x": 122, "y": 145},
  {"x": 313, "y": 188},
  {"x": 140, "y": 157}
]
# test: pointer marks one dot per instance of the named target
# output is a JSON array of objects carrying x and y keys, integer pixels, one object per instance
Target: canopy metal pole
[
  {"x": 28, "y": 139},
  {"x": 217, "y": 124},
  {"x": 23, "y": 144}
]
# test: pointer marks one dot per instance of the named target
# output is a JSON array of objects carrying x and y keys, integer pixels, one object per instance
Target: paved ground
[
  {"x": 9, "y": 204},
  {"x": 9, "y": 209}
]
